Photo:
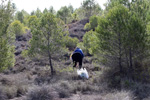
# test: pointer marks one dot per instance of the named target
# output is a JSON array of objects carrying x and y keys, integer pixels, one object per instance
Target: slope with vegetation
[{"x": 35, "y": 50}]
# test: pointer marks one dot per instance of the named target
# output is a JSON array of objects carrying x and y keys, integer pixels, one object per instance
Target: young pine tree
[
  {"x": 48, "y": 35},
  {"x": 6, "y": 39}
]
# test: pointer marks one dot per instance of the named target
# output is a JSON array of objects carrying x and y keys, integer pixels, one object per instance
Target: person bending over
[{"x": 77, "y": 56}]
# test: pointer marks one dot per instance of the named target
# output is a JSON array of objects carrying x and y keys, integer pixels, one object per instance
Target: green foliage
[
  {"x": 70, "y": 7},
  {"x": 75, "y": 16},
  {"x": 121, "y": 35},
  {"x": 32, "y": 21},
  {"x": 80, "y": 13},
  {"x": 45, "y": 10},
  {"x": 32, "y": 13},
  {"x": 48, "y": 36},
  {"x": 71, "y": 43},
  {"x": 17, "y": 28},
  {"x": 87, "y": 26},
  {"x": 38, "y": 13},
  {"x": 90, "y": 7},
  {"x": 112, "y": 3},
  {"x": 90, "y": 42},
  {"x": 51, "y": 10},
  {"x": 6, "y": 54},
  {"x": 110, "y": 33},
  {"x": 6, "y": 39},
  {"x": 20, "y": 16},
  {"x": 87, "y": 9},
  {"x": 92, "y": 24},
  {"x": 64, "y": 13}
]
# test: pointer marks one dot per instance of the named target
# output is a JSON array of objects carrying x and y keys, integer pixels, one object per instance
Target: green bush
[
  {"x": 92, "y": 24},
  {"x": 90, "y": 42},
  {"x": 71, "y": 43},
  {"x": 17, "y": 28},
  {"x": 31, "y": 21},
  {"x": 6, "y": 55},
  {"x": 87, "y": 26}
]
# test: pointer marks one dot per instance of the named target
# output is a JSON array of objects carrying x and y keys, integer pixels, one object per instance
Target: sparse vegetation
[
  {"x": 41, "y": 93},
  {"x": 36, "y": 65},
  {"x": 3, "y": 96},
  {"x": 122, "y": 95}
]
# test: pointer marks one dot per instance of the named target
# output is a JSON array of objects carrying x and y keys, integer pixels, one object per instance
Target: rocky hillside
[{"x": 76, "y": 28}]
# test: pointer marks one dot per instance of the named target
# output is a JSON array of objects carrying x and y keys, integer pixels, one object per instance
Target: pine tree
[
  {"x": 64, "y": 13},
  {"x": 47, "y": 37},
  {"x": 6, "y": 39},
  {"x": 122, "y": 36}
]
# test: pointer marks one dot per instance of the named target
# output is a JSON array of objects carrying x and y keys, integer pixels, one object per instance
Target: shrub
[
  {"x": 87, "y": 26},
  {"x": 122, "y": 95},
  {"x": 17, "y": 28},
  {"x": 84, "y": 87},
  {"x": 63, "y": 93},
  {"x": 7, "y": 58},
  {"x": 71, "y": 43},
  {"x": 11, "y": 92},
  {"x": 92, "y": 24},
  {"x": 43, "y": 77},
  {"x": 140, "y": 90},
  {"x": 22, "y": 90},
  {"x": 2, "y": 95},
  {"x": 41, "y": 93},
  {"x": 64, "y": 89}
]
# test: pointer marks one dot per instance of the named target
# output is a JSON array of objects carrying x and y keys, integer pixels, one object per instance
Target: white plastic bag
[{"x": 83, "y": 73}]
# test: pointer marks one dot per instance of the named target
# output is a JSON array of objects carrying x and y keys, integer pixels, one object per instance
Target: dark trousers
[{"x": 77, "y": 57}]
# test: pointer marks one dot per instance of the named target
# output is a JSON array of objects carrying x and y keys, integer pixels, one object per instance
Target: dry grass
[
  {"x": 63, "y": 88},
  {"x": 11, "y": 91},
  {"x": 14, "y": 91},
  {"x": 118, "y": 95},
  {"x": 140, "y": 90},
  {"x": 3, "y": 95},
  {"x": 66, "y": 84},
  {"x": 41, "y": 93},
  {"x": 22, "y": 90},
  {"x": 85, "y": 87}
]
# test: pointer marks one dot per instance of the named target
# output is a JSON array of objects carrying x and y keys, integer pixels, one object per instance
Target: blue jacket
[{"x": 78, "y": 50}]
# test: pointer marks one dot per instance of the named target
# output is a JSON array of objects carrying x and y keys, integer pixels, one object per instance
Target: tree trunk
[
  {"x": 131, "y": 64},
  {"x": 120, "y": 65},
  {"x": 127, "y": 61},
  {"x": 50, "y": 63},
  {"x": 120, "y": 59},
  {"x": 49, "y": 55},
  {"x": 120, "y": 56},
  {"x": 65, "y": 20}
]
